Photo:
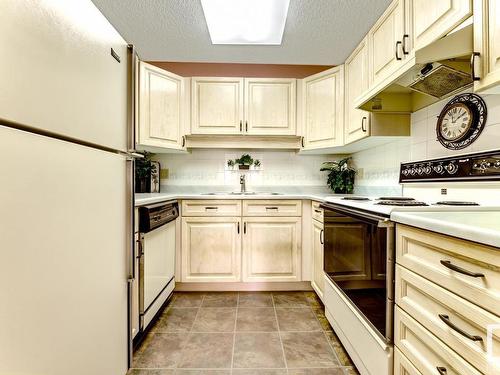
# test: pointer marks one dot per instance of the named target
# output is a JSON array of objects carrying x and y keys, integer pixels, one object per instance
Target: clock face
[
  {"x": 461, "y": 121},
  {"x": 456, "y": 122}
]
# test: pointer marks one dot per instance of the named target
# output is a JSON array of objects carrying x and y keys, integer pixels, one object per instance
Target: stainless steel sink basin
[{"x": 240, "y": 193}]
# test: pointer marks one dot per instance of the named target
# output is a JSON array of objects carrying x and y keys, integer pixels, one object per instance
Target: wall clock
[{"x": 461, "y": 121}]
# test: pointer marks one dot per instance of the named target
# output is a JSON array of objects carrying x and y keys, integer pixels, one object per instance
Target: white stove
[{"x": 430, "y": 185}]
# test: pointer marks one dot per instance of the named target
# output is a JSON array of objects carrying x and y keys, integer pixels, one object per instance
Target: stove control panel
[{"x": 470, "y": 167}]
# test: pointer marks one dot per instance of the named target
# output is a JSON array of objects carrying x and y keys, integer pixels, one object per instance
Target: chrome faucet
[{"x": 243, "y": 183}]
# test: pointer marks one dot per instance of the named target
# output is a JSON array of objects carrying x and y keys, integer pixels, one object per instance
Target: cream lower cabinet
[
  {"x": 271, "y": 249},
  {"x": 162, "y": 106},
  {"x": 211, "y": 249},
  {"x": 318, "y": 275},
  {"x": 322, "y": 107},
  {"x": 487, "y": 46}
]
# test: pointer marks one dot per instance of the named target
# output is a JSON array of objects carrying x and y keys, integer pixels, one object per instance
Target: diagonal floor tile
[
  {"x": 215, "y": 319},
  {"x": 255, "y": 299},
  {"x": 175, "y": 320},
  {"x": 297, "y": 319},
  {"x": 224, "y": 299},
  {"x": 256, "y": 319},
  {"x": 207, "y": 350},
  {"x": 258, "y": 350},
  {"x": 307, "y": 349},
  {"x": 160, "y": 350},
  {"x": 290, "y": 299}
]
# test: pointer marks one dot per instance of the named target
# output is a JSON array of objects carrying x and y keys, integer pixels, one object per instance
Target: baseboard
[{"x": 248, "y": 287}]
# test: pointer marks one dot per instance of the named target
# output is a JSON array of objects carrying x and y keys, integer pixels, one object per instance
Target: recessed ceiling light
[{"x": 245, "y": 21}]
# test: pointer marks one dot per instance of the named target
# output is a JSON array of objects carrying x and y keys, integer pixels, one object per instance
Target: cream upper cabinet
[
  {"x": 216, "y": 105},
  {"x": 487, "y": 46},
  {"x": 318, "y": 277},
  {"x": 161, "y": 107},
  {"x": 270, "y": 106},
  {"x": 386, "y": 42},
  {"x": 356, "y": 121},
  {"x": 271, "y": 249},
  {"x": 323, "y": 113},
  {"x": 211, "y": 249},
  {"x": 432, "y": 19}
]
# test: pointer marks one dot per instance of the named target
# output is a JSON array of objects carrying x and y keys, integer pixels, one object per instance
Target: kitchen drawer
[
  {"x": 402, "y": 365},
  {"x": 423, "y": 252},
  {"x": 426, "y": 351},
  {"x": 426, "y": 301},
  {"x": 272, "y": 207},
  {"x": 317, "y": 212},
  {"x": 214, "y": 207}
]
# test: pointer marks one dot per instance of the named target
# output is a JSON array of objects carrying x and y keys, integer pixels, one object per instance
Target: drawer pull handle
[
  {"x": 446, "y": 320},
  {"x": 322, "y": 237},
  {"x": 461, "y": 270},
  {"x": 441, "y": 370},
  {"x": 317, "y": 211},
  {"x": 272, "y": 208},
  {"x": 238, "y": 227},
  {"x": 211, "y": 208}
]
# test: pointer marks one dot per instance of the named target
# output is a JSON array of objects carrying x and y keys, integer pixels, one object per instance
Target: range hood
[
  {"x": 443, "y": 67},
  {"x": 436, "y": 71}
]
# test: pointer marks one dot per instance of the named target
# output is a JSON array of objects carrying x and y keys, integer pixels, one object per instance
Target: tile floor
[{"x": 242, "y": 333}]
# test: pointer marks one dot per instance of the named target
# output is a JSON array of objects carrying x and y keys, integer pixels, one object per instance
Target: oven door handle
[{"x": 367, "y": 217}]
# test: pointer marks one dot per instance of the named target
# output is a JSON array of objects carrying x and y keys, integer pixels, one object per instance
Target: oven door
[{"x": 358, "y": 258}]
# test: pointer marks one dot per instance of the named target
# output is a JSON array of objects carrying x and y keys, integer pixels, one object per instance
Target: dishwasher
[{"x": 156, "y": 258}]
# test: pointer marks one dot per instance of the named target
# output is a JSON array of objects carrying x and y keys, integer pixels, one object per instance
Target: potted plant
[
  {"x": 256, "y": 163},
  {"x": 230, "y": 164},
  {"x": 244, "y": 162},
  {"x": 340, "y": 176},
  {"x": 143, "y": 169}
]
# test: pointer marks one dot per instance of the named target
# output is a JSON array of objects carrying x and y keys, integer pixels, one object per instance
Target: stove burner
[
  {"x": 402, "y": 199},
  {"x": 456, "y": 203},
  {"x": 401, "y": 203},
  {"x": 355, "y": 198}
]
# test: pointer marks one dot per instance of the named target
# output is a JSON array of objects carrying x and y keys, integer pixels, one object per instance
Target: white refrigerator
[{"x": 66, "y": 190}]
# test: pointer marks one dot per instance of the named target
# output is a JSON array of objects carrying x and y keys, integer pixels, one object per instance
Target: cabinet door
[
  {"x": 271, "y": 249},
  {"x": 211, "y": 248},
  {"x": 161, "y": 97},
  {"x": 486, "y": 37},
  {"x": 432, "y": 19},
  {"x": 270, "y": 106},
  {"x": 217, "y": 105},
  {"x": 385, "y": 40},
  {"x": 356, "y": 121},
  {"x": 318, "y": 279},
  {"x": 323, "y": 109}
]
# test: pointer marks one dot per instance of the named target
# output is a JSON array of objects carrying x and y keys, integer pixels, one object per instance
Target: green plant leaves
[{"x": 341, "y": 176}]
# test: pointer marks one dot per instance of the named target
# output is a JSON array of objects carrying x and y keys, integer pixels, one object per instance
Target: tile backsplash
[
  {"x": 208, "y": 168},
  {"x": 380, "y": 165}
]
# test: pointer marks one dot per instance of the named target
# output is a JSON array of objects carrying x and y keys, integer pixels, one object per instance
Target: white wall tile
[{"x": 381, "y": 164}]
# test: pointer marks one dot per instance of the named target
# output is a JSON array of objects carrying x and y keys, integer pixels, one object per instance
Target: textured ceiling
[{"x": 317, "y": 32}]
